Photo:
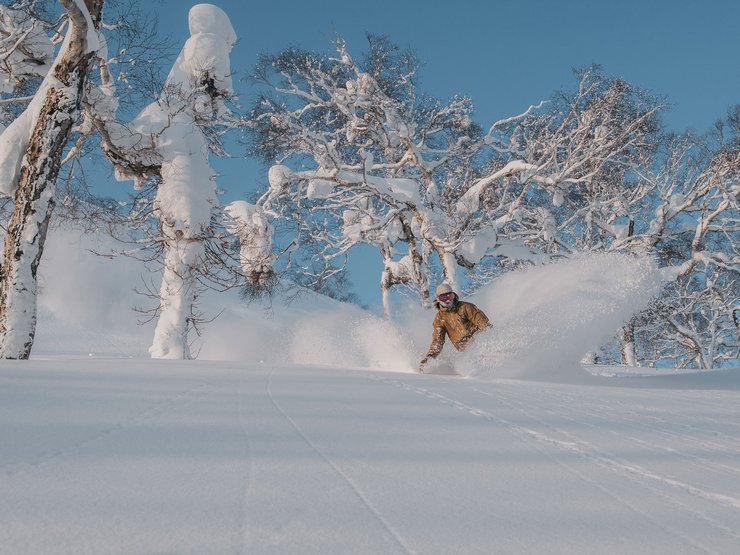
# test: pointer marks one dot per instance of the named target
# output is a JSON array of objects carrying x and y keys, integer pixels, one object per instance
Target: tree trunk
[
  {"x": 417, "y": 275},
  {"x": 420, "y": 274},
  {"x": 34, "y": 197},
  {"x": 627, "y": 347},
  {"x": 385, "y": 292},
  {"x": 449, "y": 267},
  {"x": 177, "y": 299}
]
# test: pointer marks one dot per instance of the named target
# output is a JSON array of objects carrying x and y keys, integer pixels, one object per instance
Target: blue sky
[{"x": 505, "y": 55}]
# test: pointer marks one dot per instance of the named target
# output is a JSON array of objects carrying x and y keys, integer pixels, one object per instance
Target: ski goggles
[{"x": 446, "y": 297}]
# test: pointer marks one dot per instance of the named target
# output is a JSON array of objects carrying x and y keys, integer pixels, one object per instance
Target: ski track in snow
[
  {"x": 374, "y": 511},
  {"x": 714, "y": 423},
  {"x": 244, "y": 504},
  {"x": 631, "y": 471},
  {"x": 14, "y": 468},
  {"x": 277, "y": 453},
  {"x": 656, "y": 483},
  {"x": 536, "y": 440},
  {"x": 658, "y": 426}
]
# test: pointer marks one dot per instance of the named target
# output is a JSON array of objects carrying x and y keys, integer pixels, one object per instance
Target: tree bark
[
  {"x": 177, "y": 299},
  {"x": 34, "y": 197},
  {"x": 627, "y": 345}
]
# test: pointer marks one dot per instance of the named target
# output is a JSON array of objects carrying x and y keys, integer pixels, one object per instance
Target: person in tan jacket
[{"x": 455, "y": 318}]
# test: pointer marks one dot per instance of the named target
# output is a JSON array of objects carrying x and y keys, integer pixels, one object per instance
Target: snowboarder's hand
[{"x": 422, "y": 363}]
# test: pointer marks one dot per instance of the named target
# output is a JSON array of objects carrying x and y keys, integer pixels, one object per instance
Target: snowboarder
[{"x": 455, "y": 318}]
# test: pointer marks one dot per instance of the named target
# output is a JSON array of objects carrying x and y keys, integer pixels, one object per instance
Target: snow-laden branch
[
  {"x": 470, "y": 201},
  {"x": 26, "y": 52}
]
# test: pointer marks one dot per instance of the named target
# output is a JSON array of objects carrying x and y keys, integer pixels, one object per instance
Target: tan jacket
[{"x": 460, "y": 323}]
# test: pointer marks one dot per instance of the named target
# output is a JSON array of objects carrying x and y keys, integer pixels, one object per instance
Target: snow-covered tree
[
  {"x": 563, "y": 180},
  {"x": 582, "y": 154},
  {"x": 31, "y": 150},
  {"x": 695, "y": 231},
  {"x": 680, "y": 204},
  {"x": 360, "y": 156},
  {"x": 27, "y": 51},
  {"x": 167, "y": 148},
  {"x": 255, "y": 233},
  {"x": 364, "y": 158},
  {"x": 603, "y": 176}
]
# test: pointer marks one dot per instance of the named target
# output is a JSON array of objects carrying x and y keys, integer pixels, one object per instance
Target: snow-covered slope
[
  {"x": 138, "y": 456},
  {"x": 307, "y": 432}
]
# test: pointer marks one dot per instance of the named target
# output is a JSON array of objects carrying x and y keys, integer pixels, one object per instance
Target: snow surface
[{"x": 311, "y": 434}]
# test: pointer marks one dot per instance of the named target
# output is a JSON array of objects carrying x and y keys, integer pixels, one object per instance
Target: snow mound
[{"x": 547, "y": 318}]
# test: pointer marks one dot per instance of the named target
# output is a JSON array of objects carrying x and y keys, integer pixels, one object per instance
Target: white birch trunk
[
  {"x": 385, "y": 291},
  {"x": 627, "y": 346},
  {"x": 177, "y": 300},
  {"x": 34, "y": 195},
  {"x": 449, "y": 266},
  {"x": 24, "y": 245}
]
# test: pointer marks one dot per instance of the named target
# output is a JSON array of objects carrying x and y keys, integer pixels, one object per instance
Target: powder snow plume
[
  {"x": 350, "y": 337},
  {"x": 547, "y": 318},
  {"x": 544, "y": 318}
]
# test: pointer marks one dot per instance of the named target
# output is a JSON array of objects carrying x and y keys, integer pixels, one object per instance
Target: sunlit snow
[{"x": 311, "y": 433}]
